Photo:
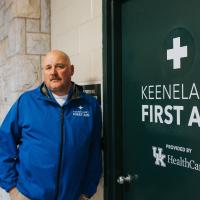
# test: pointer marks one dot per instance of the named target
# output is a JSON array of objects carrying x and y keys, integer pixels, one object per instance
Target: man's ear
[{"x": 72, "y": 70}]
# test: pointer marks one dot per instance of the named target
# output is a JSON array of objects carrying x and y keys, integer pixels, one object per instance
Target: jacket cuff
[
  {"x": 84, "y": 197},
  {"x": 89, "y": 190},
  {"x": 8, "y": 185}
]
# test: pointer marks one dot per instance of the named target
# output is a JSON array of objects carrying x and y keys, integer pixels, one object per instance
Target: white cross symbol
[
  {"x": 177, "y": 53},
  {"x": 80, "y": 107}
]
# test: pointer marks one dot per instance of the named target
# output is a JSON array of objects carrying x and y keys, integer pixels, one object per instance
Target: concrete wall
[{"x": 76, "y": 28}]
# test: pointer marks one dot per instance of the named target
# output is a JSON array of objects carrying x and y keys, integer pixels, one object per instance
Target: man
[{"x": 50, "y": 139}]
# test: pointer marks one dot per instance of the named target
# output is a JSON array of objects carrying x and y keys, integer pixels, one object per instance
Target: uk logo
[{"x": 159, "y": 156}]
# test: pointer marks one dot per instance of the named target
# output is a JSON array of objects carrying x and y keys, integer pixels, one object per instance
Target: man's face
[{"x": 57, "y": 72}]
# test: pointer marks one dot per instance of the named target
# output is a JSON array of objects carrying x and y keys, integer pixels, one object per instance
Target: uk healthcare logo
[{"x": 159, "y": 156}]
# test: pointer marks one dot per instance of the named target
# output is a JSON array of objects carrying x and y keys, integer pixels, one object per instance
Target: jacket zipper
[{"x": 60, "y": 154}]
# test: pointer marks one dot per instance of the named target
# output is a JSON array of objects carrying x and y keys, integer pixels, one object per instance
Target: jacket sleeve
[
  {"x": 9, "y": 140},
  {"x": 94, "y": 165}
]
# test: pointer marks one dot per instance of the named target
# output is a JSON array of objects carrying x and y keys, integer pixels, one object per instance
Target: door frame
[{"x": 112, "y": 99}]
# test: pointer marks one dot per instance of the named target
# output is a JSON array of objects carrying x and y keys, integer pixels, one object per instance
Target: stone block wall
[{"x": 24, "y": 39}]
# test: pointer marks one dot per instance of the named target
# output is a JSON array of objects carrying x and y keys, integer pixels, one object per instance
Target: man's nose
[{"x": 53, "y": 70}]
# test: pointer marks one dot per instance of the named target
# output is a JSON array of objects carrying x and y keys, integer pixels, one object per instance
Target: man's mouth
[{"x": 55, "y": 79}]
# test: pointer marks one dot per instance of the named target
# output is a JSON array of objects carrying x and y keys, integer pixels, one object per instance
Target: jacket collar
[{"x": 74, "y": 92}]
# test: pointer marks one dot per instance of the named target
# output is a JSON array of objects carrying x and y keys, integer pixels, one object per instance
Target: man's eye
[
  {"x": 60, "y": 66},
  {"x": 48, "y": 67}
]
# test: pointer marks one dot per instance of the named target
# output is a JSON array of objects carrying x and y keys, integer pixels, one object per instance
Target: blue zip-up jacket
[{"x": 51, "y": 152}]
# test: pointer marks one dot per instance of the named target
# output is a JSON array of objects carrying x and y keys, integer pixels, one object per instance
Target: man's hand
[
  {"x": 16, "y": 195},
  {"x": 83, "y": 197}
]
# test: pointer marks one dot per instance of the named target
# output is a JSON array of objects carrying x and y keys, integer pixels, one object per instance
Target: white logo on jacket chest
[{"x": 80, "y": 112}]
